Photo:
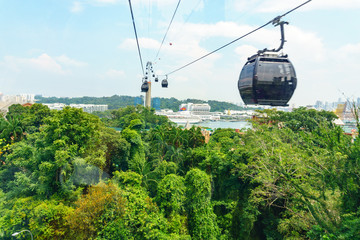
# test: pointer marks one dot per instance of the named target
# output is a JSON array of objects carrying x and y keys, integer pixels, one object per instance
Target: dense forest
[
  {"x": 116, "y": 102},
  {"x": 67, "y": 175}
]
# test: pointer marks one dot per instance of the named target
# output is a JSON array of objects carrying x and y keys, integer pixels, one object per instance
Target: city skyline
[{"x": 87, "y": 48}]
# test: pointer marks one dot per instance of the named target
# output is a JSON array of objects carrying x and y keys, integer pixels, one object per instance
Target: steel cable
[
  {"x": 206, "y": 55},
  {"x": 137, "y": 40},
  {"x": 177, "y": 6}
]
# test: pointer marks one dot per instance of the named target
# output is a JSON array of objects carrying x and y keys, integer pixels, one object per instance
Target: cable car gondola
[
  {"x": 268, "y": 78},
  {"x": 145, "y": 86},
  {"x": 164, "y": 83}
]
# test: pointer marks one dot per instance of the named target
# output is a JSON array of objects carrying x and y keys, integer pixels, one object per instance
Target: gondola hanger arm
[{"x": 276, "y": 22}]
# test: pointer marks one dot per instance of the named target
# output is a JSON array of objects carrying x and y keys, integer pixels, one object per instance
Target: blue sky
[{"x": 87, "y": 48}]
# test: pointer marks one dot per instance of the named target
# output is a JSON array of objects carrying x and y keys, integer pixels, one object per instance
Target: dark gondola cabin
[
  {"x": 267, "y": 79},
  {"x": 164, "y": 83},
  {"x": 145, "y": 87}
]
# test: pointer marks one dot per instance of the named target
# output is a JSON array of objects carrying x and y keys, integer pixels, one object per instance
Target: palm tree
[{"x": 12, "y": 129}]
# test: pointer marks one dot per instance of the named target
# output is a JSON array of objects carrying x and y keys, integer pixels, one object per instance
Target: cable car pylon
[{"x": 146, "y": 83}]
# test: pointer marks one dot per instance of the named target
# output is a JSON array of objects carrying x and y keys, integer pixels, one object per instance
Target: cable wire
[
  {"x": 177, "y": 6},
  {"x": 137, "y": 40},
  {"x": 149, "y": 23},
  {"x": 206, "y": 55},
  {"x": 178, "y": 30}
]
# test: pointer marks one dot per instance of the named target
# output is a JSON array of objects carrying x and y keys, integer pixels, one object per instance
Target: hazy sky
[{"x": 87, "y": 48}]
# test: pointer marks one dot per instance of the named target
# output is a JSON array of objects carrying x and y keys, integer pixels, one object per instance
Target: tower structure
[
  {"x": 148, "y": 96},
  {"x": 148, "y": 75}
]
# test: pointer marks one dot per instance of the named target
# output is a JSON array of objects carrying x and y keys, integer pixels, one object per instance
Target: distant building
[
  {"x": 18, "y": 99},
  {"x": 196, "y": 109},
  {"x": 319, "y": 105},
  {"x": 7, "y": 100},
  {"x": 89, "y": 108},
  {"x": 55, "y": 106}
]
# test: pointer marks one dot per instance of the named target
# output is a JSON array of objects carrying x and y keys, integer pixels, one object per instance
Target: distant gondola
[
  {"x": 267, "y": 79},
  {"x": 145, "y": 86},
  {"x": 164, "y": 83}
]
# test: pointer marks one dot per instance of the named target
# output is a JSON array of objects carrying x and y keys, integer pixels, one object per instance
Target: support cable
[
  {"x": 183, "y": 24},
  {"x": 275, "y": 20},
  {"x": 177, "y": 6},
  {"x": 137, "y": 40}
]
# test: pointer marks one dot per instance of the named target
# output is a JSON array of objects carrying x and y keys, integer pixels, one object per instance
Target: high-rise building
[{"x": 319, "y": 105}]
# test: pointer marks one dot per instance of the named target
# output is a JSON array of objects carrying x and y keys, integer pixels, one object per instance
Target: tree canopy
[{"x": 68, "y": 175}]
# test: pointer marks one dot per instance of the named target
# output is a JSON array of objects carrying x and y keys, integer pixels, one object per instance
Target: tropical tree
[
  {"x": 202, "y": 220},
  {"x": 12, "y": 129}
]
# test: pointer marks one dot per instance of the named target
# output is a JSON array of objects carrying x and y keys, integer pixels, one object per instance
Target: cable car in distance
[
  {"x": 268, "y": 78},
  {"x": 164, "y": 83},
  {"x": 145, "y": 87}
]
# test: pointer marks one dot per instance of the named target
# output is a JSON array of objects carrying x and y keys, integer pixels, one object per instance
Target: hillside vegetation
[
  {"x": 116, "y": 102},
  {"x": 65, "y": 175}
]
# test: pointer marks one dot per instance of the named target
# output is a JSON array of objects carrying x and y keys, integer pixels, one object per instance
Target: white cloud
[
  {"x": 158, "y": 3},
  {"x": 146, "y": 43},
  {"x": 112, "y": 73},
  {"x": 185, "y": 47},
  {"x": 334, "y": 4},
  {"x": 281, "y": 6},
  {"x": 285, "y": 5},
  {"x": 70, "y": 62},
  {"x": 245, "y": 51},
  {"x": 308, "y": 46},
  {"x": 349, "y": 50},
  {"x": 77, "y": 7},
  {"x": 106, "y": 1},
  {"x": 42, "y": 63}
]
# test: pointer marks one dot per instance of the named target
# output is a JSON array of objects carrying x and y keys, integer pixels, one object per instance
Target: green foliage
[
  {"x": 350, "y": 228},
  {"x": 45, "y": 219},
  {"x": 96, "y": 211},
  {"x": 171, "y": 195},
  {"x": 118, "y": 150},
  {"x": 48, "y": 220},
  {"x": 128, "y": 179},
  {"x": 136, "y": 160},
  {"x": 44, "y": 163},
  {"x": 137, "y": 118},
  {"x": 12, "y": 129},
  {"x": 21, "y": 121},
  {"x": 202, "y": 220},
  {"x": 67, "y": 176}
]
